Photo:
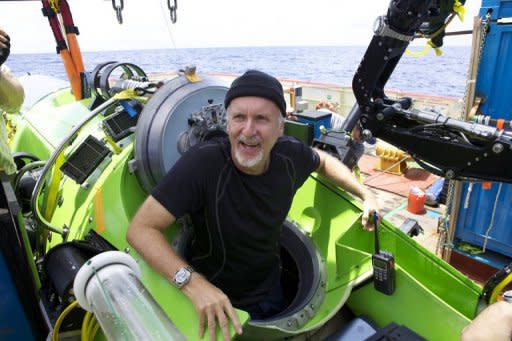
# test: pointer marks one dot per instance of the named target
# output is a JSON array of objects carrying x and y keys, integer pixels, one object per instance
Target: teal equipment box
[{"x": 316, "y": 119}]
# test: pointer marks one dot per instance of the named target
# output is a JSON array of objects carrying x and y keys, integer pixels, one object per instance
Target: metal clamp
[{"x": 381, "y": 28}]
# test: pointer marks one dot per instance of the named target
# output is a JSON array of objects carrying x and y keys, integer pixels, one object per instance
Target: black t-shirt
[{"x": 237, "y": 217}]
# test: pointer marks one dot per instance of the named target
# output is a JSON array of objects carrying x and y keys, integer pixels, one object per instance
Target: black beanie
[{"x": 258, "y": 84}]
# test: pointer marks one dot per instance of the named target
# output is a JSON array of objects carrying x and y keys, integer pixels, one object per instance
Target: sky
[{"x": 208, "y": 23}]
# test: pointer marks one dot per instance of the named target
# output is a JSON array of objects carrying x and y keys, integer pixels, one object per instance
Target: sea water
[{"x": 445, "y": 75}]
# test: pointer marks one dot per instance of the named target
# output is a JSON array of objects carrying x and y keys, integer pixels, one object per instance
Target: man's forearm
[
  {"x": 337, "y": 172},
  {"x": 156, "y": 251}
]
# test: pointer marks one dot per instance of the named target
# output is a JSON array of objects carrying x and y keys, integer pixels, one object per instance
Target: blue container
[
  {"x": 316, "y": 119},
  {"x": 476, "y": 223},
  {"x": 13, "y": 322}
]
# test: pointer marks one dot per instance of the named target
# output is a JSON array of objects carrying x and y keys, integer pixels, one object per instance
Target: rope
[{"x": 491, "y": 223}]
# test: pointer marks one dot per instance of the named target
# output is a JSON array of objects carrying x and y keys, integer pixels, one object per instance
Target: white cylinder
[{"x": 108, "y": 285}]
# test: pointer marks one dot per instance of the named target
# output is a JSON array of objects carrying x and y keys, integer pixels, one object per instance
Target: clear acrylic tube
[{"x": 109, "y": 286}]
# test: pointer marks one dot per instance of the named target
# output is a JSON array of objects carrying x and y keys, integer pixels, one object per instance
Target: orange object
[
  {"x": 500, "y": 123},
  {"x": 486, "y": 185},
  {"x": 73, "y": 76},
  {"x": 76, "y": 55},
  {"x": 416, "y": 201}
]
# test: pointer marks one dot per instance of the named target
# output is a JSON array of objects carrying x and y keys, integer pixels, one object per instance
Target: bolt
[
  {"x": 449, "y": 174},
  {"x": 497, "y": 148},
  {"x": 477, "y": 159},
  {"x": 90, "y": 219},
  {"x": 386, "y": 57},
  {"x": 127, "y": 249},
  {"x": 380, "y": 116},
  {"x": 469, "y": 163}
]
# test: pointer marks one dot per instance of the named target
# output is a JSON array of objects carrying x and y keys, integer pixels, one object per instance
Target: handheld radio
[{"x": 383, "y": 266}]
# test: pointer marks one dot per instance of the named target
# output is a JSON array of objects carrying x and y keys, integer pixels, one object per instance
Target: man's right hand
[{"x": 212, "y": 305}]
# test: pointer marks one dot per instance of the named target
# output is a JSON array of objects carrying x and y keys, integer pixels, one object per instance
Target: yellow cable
[
  {"x": 92, "y": 329},
  {"x": 62, "y": 316},
  {"x": 85, "y": 326},
  {"x": 459, "y": 11},
  {"x": 498, "y": 288}
]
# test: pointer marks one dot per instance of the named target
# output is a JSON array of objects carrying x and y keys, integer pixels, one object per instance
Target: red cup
[{"x": 416, "y": 202}]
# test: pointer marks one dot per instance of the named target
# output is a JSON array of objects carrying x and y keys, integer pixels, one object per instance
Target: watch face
[{"x": 182, "y": 275}]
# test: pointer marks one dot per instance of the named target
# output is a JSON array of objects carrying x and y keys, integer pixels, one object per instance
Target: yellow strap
[
  {"x": 125, "y": 94},
  {"x": 113, "y": 144},
  {"x": 357, "y": 174},
  {"x": 459, "y": 9},
  {"x": 498, "y": 288},
  {"x": 424, "y": 52},
  {"x": 418, "y": 54},
  {"x": 98, "y": 211},
  {"x": 55, "y": 5},
  {"x": 437, "y": 49},
  {"x": 193, "y": 78},
  {"x": 54, "y": 187}
]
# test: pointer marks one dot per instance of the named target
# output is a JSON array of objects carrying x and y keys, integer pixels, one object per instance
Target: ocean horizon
[{"x": 445, "y": 75}]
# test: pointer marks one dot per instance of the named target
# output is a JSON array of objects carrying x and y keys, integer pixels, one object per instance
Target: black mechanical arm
[{"x": 445, "y": 146}]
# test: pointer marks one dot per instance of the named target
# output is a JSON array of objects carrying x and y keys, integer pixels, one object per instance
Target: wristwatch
[
  {"x": 381, "y": 28},
  {"x": 182, "y": 276}
]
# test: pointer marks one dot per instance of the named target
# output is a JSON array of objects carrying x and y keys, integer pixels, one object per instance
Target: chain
[
  {"x": 172, "y": 10},
  {"x": 483, "y": 35},
  {"x": 119, "y": 9}
]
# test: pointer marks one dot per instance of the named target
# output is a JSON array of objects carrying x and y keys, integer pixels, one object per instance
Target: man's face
[{"x": 254, "y": 124}]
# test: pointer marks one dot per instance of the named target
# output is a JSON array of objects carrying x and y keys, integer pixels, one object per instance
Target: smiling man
[{"x": 237, "y": 191}]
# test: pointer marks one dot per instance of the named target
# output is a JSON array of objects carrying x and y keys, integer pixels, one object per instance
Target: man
[
  {"x": 11, "y": 98},
  {"x": 237, "y": 192}
]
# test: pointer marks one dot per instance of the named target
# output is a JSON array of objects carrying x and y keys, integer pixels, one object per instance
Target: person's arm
[
  {"x": 11, "y": 91},
  {"x": 145, "y": 235},
  {"x": 338, "y": 173},
  {"x": 494, "y": 323}
]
